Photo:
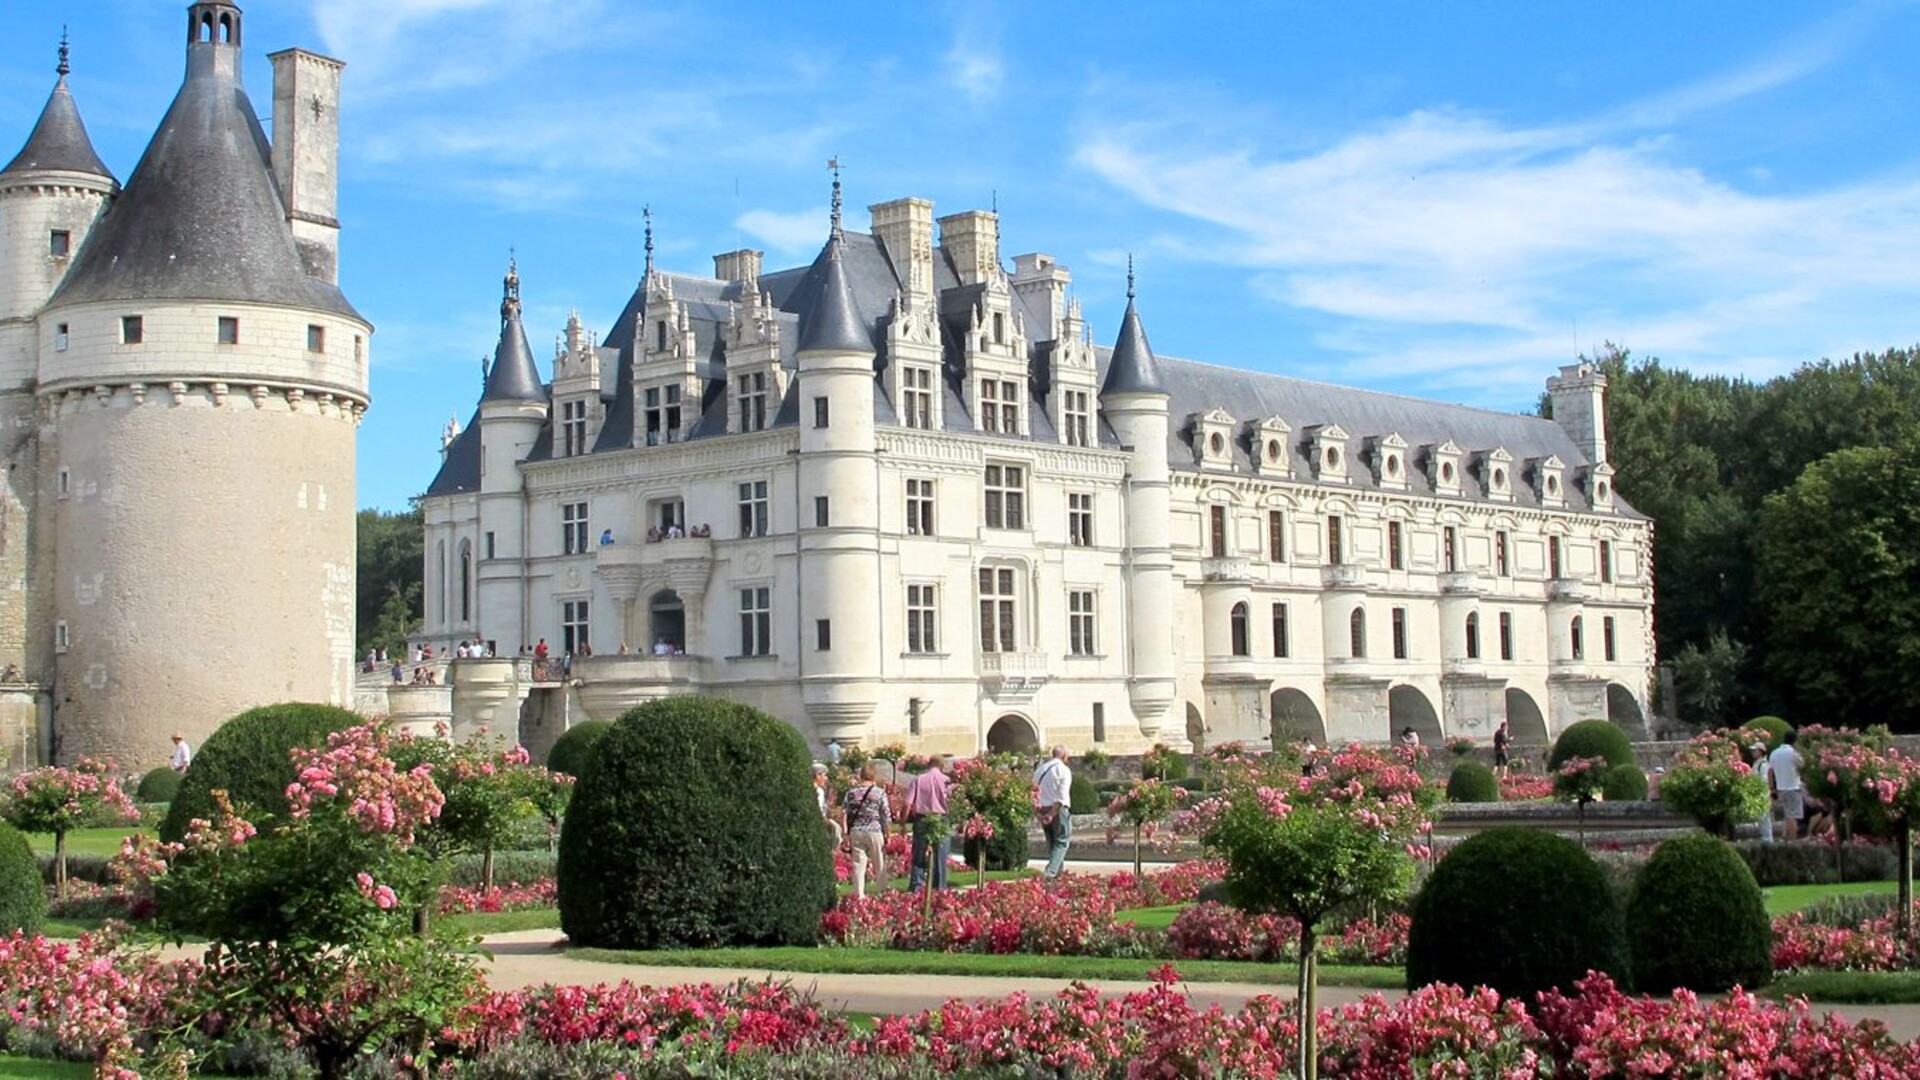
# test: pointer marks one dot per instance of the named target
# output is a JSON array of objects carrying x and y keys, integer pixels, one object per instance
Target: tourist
[
  {"x": 462, "y": 652},
  {"x": 820, "y": 796},
  {"x": 1410, "y": 738},
  {"x": 1783, "y": 766},
  {"x": 540, "y": 651},
  {"x": 182, "y": 753},
  {"x": 1759, "y": 752},
  {"x": 663, "y": 647},
  {"x": 1053, "y": 801},
  {"x": 623, "y": 649},
  {"x": 833, "y": 752},
  {"x": 926, "y": 798},
  {"x": 865, "y": 807},
  {"x": 606, "y": 537},
  {"x": 372, "y": 659},
  {"x": 399, "y": 673}
]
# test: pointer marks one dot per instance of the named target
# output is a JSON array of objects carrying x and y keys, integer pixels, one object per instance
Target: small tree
[
  {"x": 1580, "y": 780},
  {"x": 1001, "y": 794},
  {"x": 1886, "y": 789},
  {"x": 1711, "y": 781},
  {"x": 489, "y": 790},
  {"x": 1143, "y": 807},
  {"x": 58, "y": 799}
]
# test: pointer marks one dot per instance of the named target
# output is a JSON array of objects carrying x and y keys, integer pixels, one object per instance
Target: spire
[
  {"x": 513, "y": 376},
  {"x": 646, "y": 213},
  {"x": 834, "y": 323},
  {"x": 1132, "y": 368},
  {"x": 59, "y": 141},
  {"x": 63, "y": 69},
  {"x": 833, "y": 163}
]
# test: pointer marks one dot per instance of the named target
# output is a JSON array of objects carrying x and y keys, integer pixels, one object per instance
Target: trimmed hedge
[
  {"x": 1518, "y": 910},
  {"x": 694, "y": 824},
  {"x": 1811, "y": 862},
  {"x": 526, "y": 867},
  {"x": 1082, "y": 798},
  {"x": 1775, "y": 728},
  {"x": 1472, "y": 782},
  {"x": 1005, "y": 850},
  {"x": 248, "y": 758},
  {"x": 1696, "y": 919},
  {"x": 1591, "y": 739},
  {"x": 158, "y": 786},
  {"x": 23, "y": 897},
  {"x": 574, "y": 746},
  {"x": 1624, "y": 783}
]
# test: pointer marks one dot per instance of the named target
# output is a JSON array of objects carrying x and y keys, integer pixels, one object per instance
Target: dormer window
[
  {"x": 1496, "y": 473},
  {"x": 999, "y": 328},
  {"x": 916, "y": 397},
  {"x": 663, "y": 415},
  {"x": 59, "y": 243},
  {"x": 1000, "y": 406},
  {"x": 1271, "y": 438},
  {"x": 1329, "y": 453},
  {"x": 1599, "y": 482},
  {"x": 1443, "y": 468},
  {"x": 1550, "y": 476},
  {"x": 1389, "y": 462},
  {"x": 1078, "y": 428},
  {"x": 1212, "y": 439},
  {"x": 660, "y": 336}
]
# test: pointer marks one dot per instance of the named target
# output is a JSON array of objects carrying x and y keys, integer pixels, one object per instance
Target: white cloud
[
  {"x": 789, "y": 233},
  {"x": 974, "y": 65}
]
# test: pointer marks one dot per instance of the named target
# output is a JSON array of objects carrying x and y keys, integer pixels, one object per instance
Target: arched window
[
  {"x": 440, "y": 582},
  {"x": 1473, "y": 636},
  {"x": 1357, "y": 628},
  {"x": 1578, "y": 642},
  {"x": 1242, "y": 643},
  {"x": 466, "y": 581}
]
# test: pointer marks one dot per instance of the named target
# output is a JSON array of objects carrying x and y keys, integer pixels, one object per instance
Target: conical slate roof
[
  {"x": 201, "y": 217},
  {"x": 834, "y": 324},
  {"x": 513, "y": 376},
  {"x": 1133, "y": 370},
  {"x": 59, "y": 141}
]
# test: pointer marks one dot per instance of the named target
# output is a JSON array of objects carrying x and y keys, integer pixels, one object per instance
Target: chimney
[
  {"x": 742, "y": 265},
  {"x": 1579, "y": 396},
  {"x": 306, "y": 154},
  {"x": 1039, "y": 277},
  {"x": 972, "y": 241},
  {"x": 904, "y": 228}
]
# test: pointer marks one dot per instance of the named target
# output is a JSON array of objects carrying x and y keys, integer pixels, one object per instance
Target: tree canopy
[{"x": 388, "y": 594}]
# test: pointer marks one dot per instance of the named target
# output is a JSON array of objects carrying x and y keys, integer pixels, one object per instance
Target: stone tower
[
  {"x": 513, "y": 408},
  {"x": 199, "y": 381}
]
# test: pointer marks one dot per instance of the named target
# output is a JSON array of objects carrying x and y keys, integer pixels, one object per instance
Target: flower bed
[
  {"x": 513, "y": 896},
  {"x": 1800, "y": 943},
  {"x": 1525, "y": 787},
  {"x": 1211, "y": 931}
]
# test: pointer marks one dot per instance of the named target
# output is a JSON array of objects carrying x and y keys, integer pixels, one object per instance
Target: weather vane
[
  {"x": 646, "y": 212},
  {"x": 833, "y": 163}
]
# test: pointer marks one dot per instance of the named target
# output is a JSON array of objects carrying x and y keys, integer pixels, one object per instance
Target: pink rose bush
[
  {"x": 60, "y": 798},
  {"x": 1210, "y": 931}
]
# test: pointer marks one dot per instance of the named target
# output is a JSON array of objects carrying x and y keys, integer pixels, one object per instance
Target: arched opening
[
  {"x": 1524, "y": 721},
  {"x": 466, "y": 581},
  {"x": 1473, "y": 636},
  {"x": 1623, "y": 709},
  {"x": 226, "y": 29},
  {"x": 666, "y": 623},
  {"x": 1012, "y": 734},
  {"x": 1577, "y": 638},
  {"x": 1196, "y": 727},
  {"x": 1242, "y": 640},
  {"x": 1295, "y": 718},
  {"x": 1407, "y": 708},
  {"x": 202, "y": 33},
  {"x": 1357, "y": 633}
]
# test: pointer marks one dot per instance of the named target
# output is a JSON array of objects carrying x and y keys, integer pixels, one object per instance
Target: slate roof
[
  {"x": 1131, "y": 368},
  {"x": 59, "y": 140},
  {"x": 460, "y": 472},
  {"x": 513, "y": 375},
  {"x": 831, "y": 323}
]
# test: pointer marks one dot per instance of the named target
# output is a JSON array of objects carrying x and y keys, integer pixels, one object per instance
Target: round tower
[
  {"x": 513, "y": 408},
  {"x": 199, "y": 392}
]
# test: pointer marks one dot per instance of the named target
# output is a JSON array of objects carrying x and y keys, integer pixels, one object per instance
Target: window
[
  {"x": 820, "y": 516},
  {"x": 1357, "y": 633},
  {"x": 1080, "y": 519},
  {"x": 573, "y": 528},
  {"x": 1399, "y": 633},
  {"x": 1394, "y": 558},
  {"x": 1606, "y": 562},
  {"x": 997, "y": 601},
  {"x": 915, "y": 706},
  {"x": 1006, "y": 497},
  {"x": 573, "y": 427},
  {"x": 999, "y": 328},
  {"x": 820, "y": 412},
  {"x": 1334, "y": 550},
  {"x": 1473, "y": 636},
  {"x": 359, "y": 350},
  {"x": 753, "y": 509},
  {"x": 60, "y": 337},
  {"x": 1000, "y": 406},
  {"x": 663, "y": 415},
  {"x": 487, "y": 545},
  {"x": 1281, "y": 647},
  {"x": 1506, "y": 635},
  {"x": 823, "y": 635},
  {"x": 1606, "y": 639},
  {"x": 1080, "y": 622},
  {"x": 62, "y": 638},
  {"x": 1240, "y": 634},
  {"x": 1577, "y": 639},
  {"x": 753, "y": 401},
  {"x": 1217, "y": 531},
  {"x": 1099, "y": 721},
  {"x": 573, "y": 626},
  {"x": 1276, "y": 536},
  {"x": 668, "y": 515},
  {"x": 227, "y": 330},
  {"x": 916, "y": 397},
  {"x": 660, "y": 336},
  {"x": 63, "y": 483},
  {"x": 59, "y": 243},
  {"x": 316, "y": 338},
  {"x": 1500, "y": 553},
  {"x": 756, "y": 621},
  {"x": 1553, "y": 556},
  {"x": 1450, "y": 549},
  {"x": 132, "y": 330},
  {"x": 920, "y": 619},
  {"x": 1079, "y": 419},
  {"x": 919, "y": 507},
  {"x": 466, "y": 581}
]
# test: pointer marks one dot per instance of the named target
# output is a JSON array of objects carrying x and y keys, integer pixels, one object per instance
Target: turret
[
  {"x": 1134, "y": 401},
  {"x": 513, "y": 408},
  {"x": 1579, "y": 395}
]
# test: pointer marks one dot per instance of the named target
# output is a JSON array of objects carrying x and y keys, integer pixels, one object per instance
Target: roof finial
[
  {"x": 510, "y": 292},
  {"x": 1129, "y": 275},
  {"x": 646, "y": 213},
  {"x": 834, "y": 164},
  {"x": 64, "y": 67}
]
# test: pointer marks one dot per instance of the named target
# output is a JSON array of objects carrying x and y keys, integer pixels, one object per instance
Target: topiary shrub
[
  {"x": 574, "y": 746},
  {"x": 247, "y": 757},
  {"x": 1591, "y": 739},
  {"x": 23, "y": 896},
  {"x": 1081, "y": 798},
  {"x": 694, "y": 824},
  {"x": 1624, "y": 783},
  {"x": 1696, "y": 920},
  {"x": 1518, "y": 910},
  {"x": 1472, "y": 782},
  {"x": 1774, "y": 727},
  {"x": 158, "y": 786}
]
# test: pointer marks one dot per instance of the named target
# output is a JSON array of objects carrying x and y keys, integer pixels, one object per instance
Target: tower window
[
  {"x": 1357, "y": 632},
  {"x": 820, "y": 515},
  {"x": 1099, "y": 721},
  {"x": 1553, "y": 556},
  {"x": 1500, "y": 553},
  {"x": 1399, "y": 633},
  {"x": 132, "y": 329},
  {"x": 228, "y": 332},
  {"x": 820, "y": 413},
  {"x": 1506, "y": 635},
  {"x": 823, "y": 635},
  {"x": 1217, "y": 531},
  {"x": 1276, "y": 536},
  {"x": 1238, "y": 630},
  {"x": 1577, "y": 639},
  {"x": 1394, "y": 558},
  {"x": 1334, "y": 552},
  {"x": 1280, "y": 646},
  {"x": 1606, "y": 562},
  {"x": 316, "y": 338},
  {"x": 59, "y": 243},
  {"x": 60, "y": 337},
  {"x": 1606, "y": 639},
  {"x": 62, "y": 640},
  {"x": 1473, "y": 636},
  {"x": 1450, "y": 548}
]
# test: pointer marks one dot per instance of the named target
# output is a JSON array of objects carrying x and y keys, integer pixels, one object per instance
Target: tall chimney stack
[{"x": 306, "y": 154}]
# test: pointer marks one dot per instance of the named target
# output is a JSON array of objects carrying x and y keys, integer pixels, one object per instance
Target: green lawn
[
  {"x": 501, "y": 922},
  {"x": 1151, "y": 918},
  {"x": 1850, "y": 987},
  {"x": 1782, "y": 899},
  {"x": 958, "y": 878},
  {"x": 21, "y": 1068},
  {"x": 102, "y": 842}
]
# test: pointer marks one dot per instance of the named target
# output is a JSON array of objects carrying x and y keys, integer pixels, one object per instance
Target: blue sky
[{"x": 1445, "y": 200}]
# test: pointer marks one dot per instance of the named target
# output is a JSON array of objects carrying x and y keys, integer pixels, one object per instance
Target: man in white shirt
[
  {"x": 182, "y": 753},
  {"x": 1053, "y": 800},
  {"x": 1784, "y": 765}
]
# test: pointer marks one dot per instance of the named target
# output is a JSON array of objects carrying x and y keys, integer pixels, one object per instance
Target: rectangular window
[
  {"x": 62, "y": 640},
  {"x": 1394, "y": 558},
  {"x": 1217, "y": 531},
  {"x": 1473, "y": 637},
  {"x": 752, "y": 395},
  {"x": 1276, "y": 536},
  {"x": 573, "y": 627},
  {"x": 59, "y": 243},
  {"x": 916, "y": 397},
  {"x": 1079, "y": 417},
  {"x": 1099, "y": 721},
  {"x": 915, "y": 707},
  {"x": 573, "y": 528},
  {"x": 997, "y": 599},
  {"x": 359, "y": 350},
  {"x": 1577, "y": 635},
  {"x": 316, "y": 338},
  {"x": 1606, "y": 639},
  {"x": 228, "y": 330},
  {"x": 1399, "y": 633},
  {"x": 756, "y": 622},
  {"x": 573, "y": 427},
  {"x": 999, "y": 328},
  {"x": 1281, "y": 648},
  {"x": 1500, "y": 553},
  {"x": 663, "y": 415},
  {"x": 60, "y": 337},
  {"x": 132, "y": 330},
  {"x": 921, "y": 613},
  {"x": 820, "y": 412},
  {"x": 660, "y": 336},
  {"x": 1006, "y": 497},
  {"x": 1553, "y": 556},
  {"x": 823, "y": 635},
  {"x": 1334, "y": 550},
  {"x": 62, "y": 483},
  {"x": 1606, "y": 563},
  {"x": 1450, "y": 549},
  {"x": 1080, "y": 622},
  {"x": 820, "y": 518},
  {"x": 753, "y": 509},
  {"x": 1506, "y": 635},
  {"x": 919, "y": 507},
  {"x": 1000, "y": 406},
  {"x": 487, "y": 546},
  {"x": 1080, "y": 519}
]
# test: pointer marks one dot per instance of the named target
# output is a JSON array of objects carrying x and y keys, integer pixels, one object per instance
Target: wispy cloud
[
  {"x": 974, "y": 63},
  {"x": 785, "y": 233}
]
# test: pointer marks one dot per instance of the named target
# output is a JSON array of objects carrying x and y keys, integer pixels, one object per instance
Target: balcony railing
[
  {"x": 1014, "y": 674},
  {"x": 1566, "y": 589},
  {"x": 1461, "y": 583},
  {"x": 1231, "y": 568},
  {"x": 1344, "y": 576}
]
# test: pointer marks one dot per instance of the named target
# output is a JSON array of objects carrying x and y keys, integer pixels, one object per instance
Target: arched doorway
[
  {"x": 1196, "y": 727},
  {"x": 1407, "y": 708},
  {"x": 1012, "y": 734},
  {"x": 1623, "y": 709},
  {"x": 1295, "y": 718},
  {"x": 666, "y": 622},
  {"x": 1524, "y": 721}
]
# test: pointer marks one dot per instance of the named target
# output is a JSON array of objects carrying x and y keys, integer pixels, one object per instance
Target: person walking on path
[
  {"x": 1502, "y": 737},
  {"x": 926, "y": 798},
  {"x": 865, "y": 806},
  {"x": 182, "y": 753},
  {"x": 820, "y": 786},
  {"x": 1053, "y": 802},
  {"x": 1783, "y": 765}
]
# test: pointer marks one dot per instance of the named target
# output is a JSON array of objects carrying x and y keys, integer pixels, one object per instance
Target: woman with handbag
[{"x": 867, "y": 821}]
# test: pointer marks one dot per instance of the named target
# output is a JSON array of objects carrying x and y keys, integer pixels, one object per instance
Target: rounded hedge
[
  {"x": 159, "y": 785},
  {"x": 1624, "y": 783},
  {"x": 574, "y": 746},
  {"x": 248, "y": 758},
  {"x": 1081, "y": 798},
  {"x": 694, "y": 824},
  {"x": 1775, "y": 728},
  {"x": 23, "y": 893},
  {"x": 1591, "y": 739},
  {"x": 1518, "y": 910},
  {"x": 1696, "y": 919},
  {"x": 1472, "y": 782}
]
